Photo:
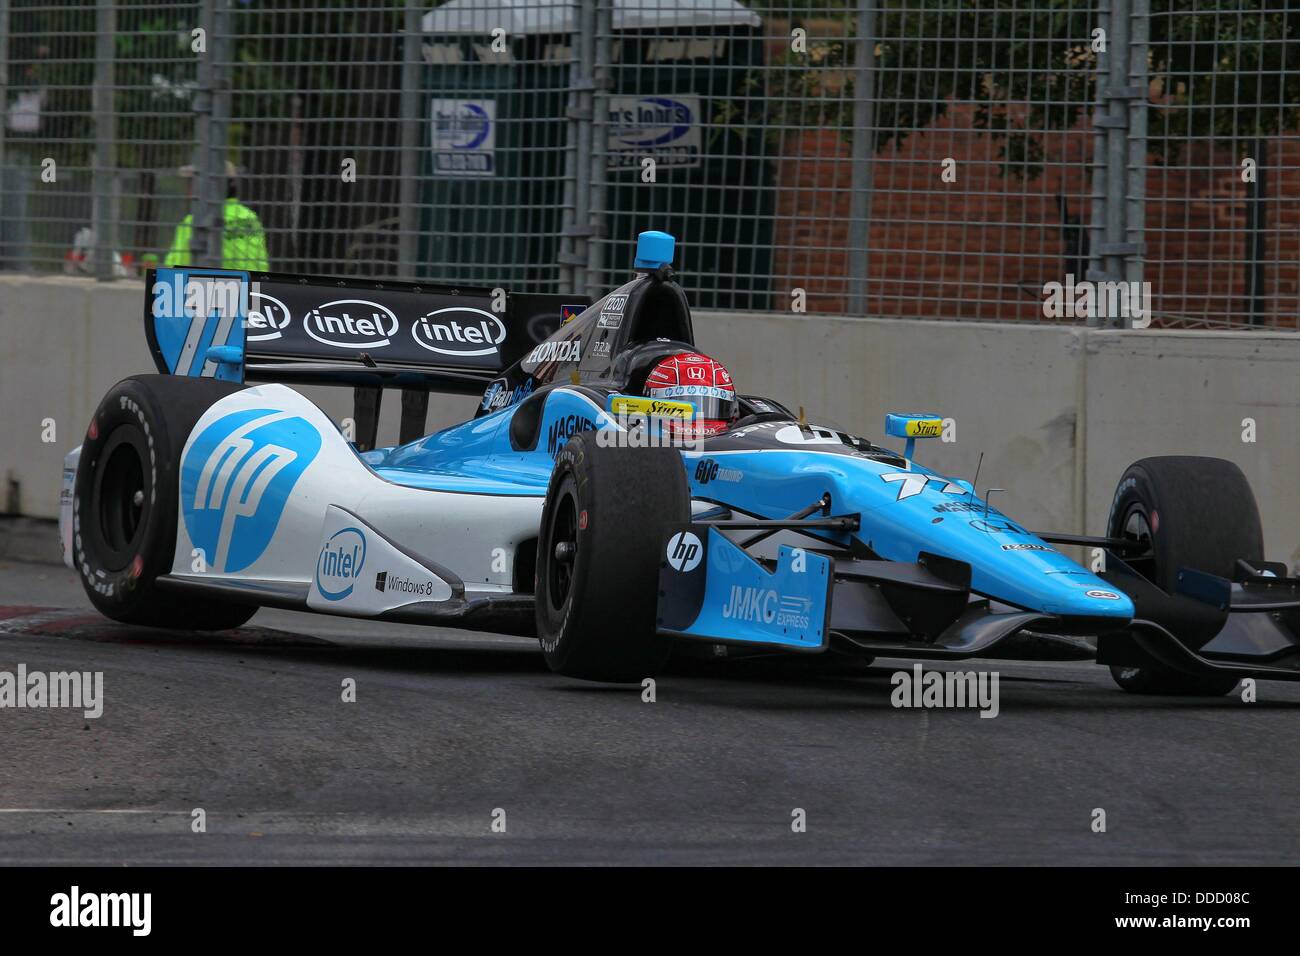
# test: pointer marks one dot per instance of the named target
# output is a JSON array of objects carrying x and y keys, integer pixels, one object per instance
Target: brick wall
[{"x": 982, "y": 247}]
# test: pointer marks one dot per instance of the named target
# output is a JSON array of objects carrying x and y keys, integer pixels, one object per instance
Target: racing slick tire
[
  {"x": 598, "y": 558},
  {"x": 126, "y": 497},
  {"x": 1195, "y": 513}
]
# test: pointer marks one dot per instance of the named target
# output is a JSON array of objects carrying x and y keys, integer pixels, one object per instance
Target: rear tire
[
  {"x": 1192, "y": 513},
  {"x": 598, "y": 557},
  {"x": 125, "y": 503}
]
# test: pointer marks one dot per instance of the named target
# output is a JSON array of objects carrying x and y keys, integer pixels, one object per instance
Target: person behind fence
[{"x": 243, "y": 242}]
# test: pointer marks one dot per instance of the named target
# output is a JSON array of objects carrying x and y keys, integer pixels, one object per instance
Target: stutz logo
[
  {"x": 459, "y": 331},
  {"x": 351, "y": 324},
  {"x": 656, "y": 408},
  {"x": 925, "y": 428}
]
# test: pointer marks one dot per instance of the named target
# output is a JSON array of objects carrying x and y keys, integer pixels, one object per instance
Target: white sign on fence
[
  {"x": 663, "y": 128},
  {"x": 464, "y": 137}
]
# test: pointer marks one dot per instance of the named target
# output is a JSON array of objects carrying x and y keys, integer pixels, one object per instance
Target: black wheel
[
  {"x": 125, "y": 502},
  {"x": 1188, "y": 513},
  {"x": 598, "y": 556}
]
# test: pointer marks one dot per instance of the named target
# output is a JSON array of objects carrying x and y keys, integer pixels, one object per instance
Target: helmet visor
[{"x": 709, "y": 402}]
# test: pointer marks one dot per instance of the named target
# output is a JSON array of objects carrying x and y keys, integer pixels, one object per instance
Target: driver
[{"x": 701, "y": 382}]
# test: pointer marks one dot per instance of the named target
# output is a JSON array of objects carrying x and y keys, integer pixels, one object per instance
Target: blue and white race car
[{"x": 580, "y": 505}]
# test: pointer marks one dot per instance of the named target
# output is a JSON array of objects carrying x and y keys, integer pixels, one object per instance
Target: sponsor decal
[
  {"x": 968, "y": 507},
  {"x": 599, "y": 349},
  {"x": 499, "y": 395},
  {"x": 351, "y": 324},
  {"x": 911, "y": 483},
  {"x": 1103, "y": 595},
  {"x": 1026, "y": 547},
  {"x": 464, "y": 137},
  {"x": 562, "y": 429},
  {"x": 625, "y": 405},
  {"x": 706, "y": 391},
  {"x": 611, "y": 312},
  {"x": 192, "y": 313},
  {"x": 765, "y": 606},
  {"x": 807, "y": 435},
  {"x": 664, "y": 128},
  {"x": 562, "y": 350},
  {"x": 179, "y": 293},
  {"x": 924, "y": 428},
  {"x": 236, "y": 478},
  {"x": 684, "y": 552},
  {"x": 267, "y": 317},
  {"x": 339, "y": 566},
  {"x": 998, "y": 527},
  {"x": 570, "y": 312},
  {"x": 708, "y": 469},
  {"x": 794, "y": 612},
  {"x": 755, "y": 605},
  {"x": 396, "y": 584},
  {"x": 459, "y": 331}
]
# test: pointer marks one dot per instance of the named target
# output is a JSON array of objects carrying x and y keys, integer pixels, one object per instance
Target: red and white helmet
[{"x": 701, "y": 382}]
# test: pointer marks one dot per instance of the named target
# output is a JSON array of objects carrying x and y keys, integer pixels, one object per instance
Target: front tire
[
  {"x": 125, "y": 503},
  {"x": 1189, "y": 512},
  {"x": 598, "y": 556}
]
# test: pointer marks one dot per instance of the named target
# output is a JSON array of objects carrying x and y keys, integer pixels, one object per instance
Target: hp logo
[
  {"x": 236, "y": 479},
  {"x": 684, "y": 551}
]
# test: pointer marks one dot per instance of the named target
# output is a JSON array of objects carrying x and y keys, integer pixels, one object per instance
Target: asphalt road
[{"x": 449, "y": 727}]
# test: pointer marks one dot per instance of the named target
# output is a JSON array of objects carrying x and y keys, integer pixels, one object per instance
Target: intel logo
[
  {"x": 459, "y": 331},
  {"x": 351, "y": 324},
  {"x": 267, "y": 316},
  {"x": 340, "y": 563}
]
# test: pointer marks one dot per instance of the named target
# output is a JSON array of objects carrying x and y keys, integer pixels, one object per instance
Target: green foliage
[{"x": 1219, "y": 69}]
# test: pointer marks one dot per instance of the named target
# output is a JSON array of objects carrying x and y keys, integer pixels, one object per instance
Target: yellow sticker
[
  {"x": 625, "y": 405},
  {"x": 924, "y": 427}
]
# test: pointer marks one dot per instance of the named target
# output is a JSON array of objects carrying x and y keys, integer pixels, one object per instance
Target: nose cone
[{"x": 1085, "y": 595}]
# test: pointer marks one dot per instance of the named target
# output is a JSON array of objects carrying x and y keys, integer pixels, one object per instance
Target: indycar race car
[{"x": 612, "y": 495}]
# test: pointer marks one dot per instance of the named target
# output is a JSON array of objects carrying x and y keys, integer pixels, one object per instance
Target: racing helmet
[{"x": 702, "y": 383}]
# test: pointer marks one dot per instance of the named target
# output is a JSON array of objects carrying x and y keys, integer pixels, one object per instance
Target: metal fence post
[
  {"x": 1139, "y": 84},
  {"x": 4, "y": 122},
  {"x": 576, "y": 213},
  {"x": 602, "y": 81},
  {"x": 102, "y": 218},
  {"x": 408, "y": 212},
  {"x": 212, "y": 104},
  {"x": 1100, "y": 187},
  {"x": 1114, "y": 246},
  {"x": 864, "y": 96},
  {"x": 4, "y": 87},
  {"x": 200, "y": 215}
]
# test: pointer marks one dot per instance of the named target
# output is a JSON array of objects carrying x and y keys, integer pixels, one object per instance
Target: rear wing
[
  {"x": 310, "y": 329},
  {"x": 255, "y": 326}
]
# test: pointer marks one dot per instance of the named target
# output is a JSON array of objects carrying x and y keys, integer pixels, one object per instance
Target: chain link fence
[{"x": 915, "y": 158}]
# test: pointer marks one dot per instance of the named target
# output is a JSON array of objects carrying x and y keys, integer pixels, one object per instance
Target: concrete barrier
[{"x": 1057, "y": 412}]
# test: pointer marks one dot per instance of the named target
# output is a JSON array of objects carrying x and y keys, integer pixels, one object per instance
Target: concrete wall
[{"x": 1058, "y": 413}]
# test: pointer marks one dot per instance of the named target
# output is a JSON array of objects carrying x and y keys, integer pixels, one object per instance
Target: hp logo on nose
[{"x": 684, "y": 551}]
